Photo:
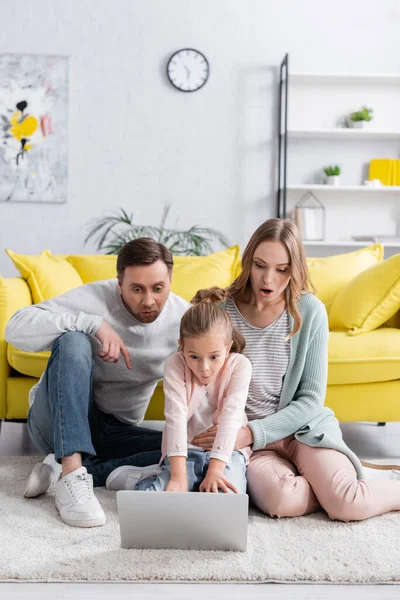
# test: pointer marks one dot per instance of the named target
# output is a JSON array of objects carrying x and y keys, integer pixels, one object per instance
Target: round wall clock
[{"x": 188, "y": 70}]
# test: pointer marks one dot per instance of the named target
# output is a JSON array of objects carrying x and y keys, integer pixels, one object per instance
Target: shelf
[
  {"x": 351, "y": 78},
  {"x": 307, "y": 129},
  {"x": 343, "y": 133},
  {"x": 385, "y": 189},
  {"x": 350, "y": 243}
]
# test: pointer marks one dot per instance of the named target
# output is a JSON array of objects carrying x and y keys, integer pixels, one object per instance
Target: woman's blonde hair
[
  {"x": 205, "y": 314},
  {"x": 285, "y": 231}
]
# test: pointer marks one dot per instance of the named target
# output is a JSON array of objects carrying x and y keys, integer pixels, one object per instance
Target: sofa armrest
[{"x": 14, "y": 294}]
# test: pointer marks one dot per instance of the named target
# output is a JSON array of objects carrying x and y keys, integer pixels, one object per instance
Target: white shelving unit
[
  {"x": 313, "y": 135},
  {"x": 337, "y": 189},
  {"x": 350, "y": 78},
  {"x": 350, "y": 243},
  {"x": 327, "y": 247},
  {"x": 344, "y": 134}
]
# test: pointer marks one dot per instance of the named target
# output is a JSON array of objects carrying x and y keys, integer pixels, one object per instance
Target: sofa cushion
[
  {"x": 46, "y": 275},
  {"x": 27, "y": 363},
  {"x": 332, "y": 273},
  {"x": 192, "y": 273},
  {"x": 94, "y": 267},
  {"x": 368, "y": 358},
  {"x": 369, "y": 300}
]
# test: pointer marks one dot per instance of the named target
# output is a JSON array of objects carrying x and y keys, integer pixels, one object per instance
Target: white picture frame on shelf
[{"x": 309, "y": 216}]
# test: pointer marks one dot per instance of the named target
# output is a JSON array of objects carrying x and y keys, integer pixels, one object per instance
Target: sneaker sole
[
  {"x": 32, "y": 485},
  {"x": 380, "y": 467},
  {"x": 88, "y": 523},
  {"x": 145, "y": 472},
  {"x": 112, "y": 476}
]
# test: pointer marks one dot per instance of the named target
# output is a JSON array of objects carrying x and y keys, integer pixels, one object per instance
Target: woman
[{"x": 300, "y": 462}]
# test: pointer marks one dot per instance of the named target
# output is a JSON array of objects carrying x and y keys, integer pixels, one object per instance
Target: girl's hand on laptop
[
  {"x": 111, "y": 345},
  {"x": 213, "y": 482},
  {"x": 177, "y": 485}
]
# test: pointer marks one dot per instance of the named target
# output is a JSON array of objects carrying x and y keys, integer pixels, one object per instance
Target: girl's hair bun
[{"x": 210, "y": 295}]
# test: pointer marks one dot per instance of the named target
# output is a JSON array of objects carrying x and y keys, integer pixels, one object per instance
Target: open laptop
[{"x": 193, "y": 521}]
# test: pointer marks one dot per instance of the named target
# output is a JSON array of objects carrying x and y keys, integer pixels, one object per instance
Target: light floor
[{"x": 366, "y": 439}]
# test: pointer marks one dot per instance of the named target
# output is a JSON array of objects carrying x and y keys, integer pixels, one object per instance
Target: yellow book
[
  {"x": 396, "y": 179},
  {"x": 393, "y": 175},
  {"x": 382, "y": 169}
]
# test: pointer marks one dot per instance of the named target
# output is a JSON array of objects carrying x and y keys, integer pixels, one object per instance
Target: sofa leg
[{"x": 381, "y": 424}]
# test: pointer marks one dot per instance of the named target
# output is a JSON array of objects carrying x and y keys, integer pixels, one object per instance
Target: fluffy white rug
[{"x": 37, "y": 546}]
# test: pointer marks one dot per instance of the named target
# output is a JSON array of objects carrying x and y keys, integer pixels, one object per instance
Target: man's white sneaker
[
  {"x": 43, "y": 478},
  {"x": 76, "y": 502},
  {"x": 127, "y": 476}
]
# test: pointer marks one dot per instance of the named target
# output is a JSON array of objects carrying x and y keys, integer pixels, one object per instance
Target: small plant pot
[
  {"x": 333, "y": 180},
  {"x": 358, "y": 124}
]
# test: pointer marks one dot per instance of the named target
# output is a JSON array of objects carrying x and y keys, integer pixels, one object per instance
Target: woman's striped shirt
[{"x": 269, "y": 355}]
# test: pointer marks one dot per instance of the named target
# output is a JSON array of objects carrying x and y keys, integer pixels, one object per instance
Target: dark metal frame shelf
[{"x": 282, "y": 138}]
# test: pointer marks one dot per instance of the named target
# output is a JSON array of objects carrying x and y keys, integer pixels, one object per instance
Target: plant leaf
[{"x": 112, "y": 231}]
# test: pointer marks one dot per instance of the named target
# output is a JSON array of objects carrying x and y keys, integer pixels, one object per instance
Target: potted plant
[
  {"x": 332, "y": 175},
  {"x": 359, "y": 118},
  {"x": 111, "y": 232}
]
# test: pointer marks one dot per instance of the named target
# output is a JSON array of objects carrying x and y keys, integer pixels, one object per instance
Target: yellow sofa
[{"x": 360, "y": 290}]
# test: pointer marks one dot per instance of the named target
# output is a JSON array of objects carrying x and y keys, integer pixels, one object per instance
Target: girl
[
  {"x": 300, "y": 462},
  {"x": 205, "y": 383}
]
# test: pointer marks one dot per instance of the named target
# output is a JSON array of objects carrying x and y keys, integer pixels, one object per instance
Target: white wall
[{"x": 136, "y": 142}]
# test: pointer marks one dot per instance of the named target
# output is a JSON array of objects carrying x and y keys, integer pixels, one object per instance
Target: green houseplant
[
  {"x": 358, "y": 118},
  {"x": 332, "y": 173},
  {"x": 111, "y": 232}
]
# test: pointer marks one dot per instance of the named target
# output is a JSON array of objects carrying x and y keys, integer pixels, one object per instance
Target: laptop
[{"x": 183, "y": 521}]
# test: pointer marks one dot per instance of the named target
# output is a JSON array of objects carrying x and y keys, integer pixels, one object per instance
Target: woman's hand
[
  {"x": 215, "y": 481},
  {"x": 206, "y": 439},
  {"x": 177, "y": 485},
  {"x": 244, "y": 438}
]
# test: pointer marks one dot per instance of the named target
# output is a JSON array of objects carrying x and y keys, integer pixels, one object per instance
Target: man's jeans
[
  {"x": 197, "y": 464},
  {"x": 64, "y": 419}
]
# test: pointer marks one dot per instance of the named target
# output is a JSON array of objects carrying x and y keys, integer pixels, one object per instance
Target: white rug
[{"x": 36, "y": 546}]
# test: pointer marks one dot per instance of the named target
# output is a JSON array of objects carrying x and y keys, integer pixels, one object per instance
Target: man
[{"x": 109, "y": 341}]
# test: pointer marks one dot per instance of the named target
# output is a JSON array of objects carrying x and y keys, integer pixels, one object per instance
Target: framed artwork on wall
[{"x": 33, "y": 128}]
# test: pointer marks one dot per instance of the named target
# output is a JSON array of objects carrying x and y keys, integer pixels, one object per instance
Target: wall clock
[{"x": 188, "y": 70}]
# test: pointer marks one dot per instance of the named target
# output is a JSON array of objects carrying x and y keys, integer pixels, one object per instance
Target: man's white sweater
[{"x": 117, "y": 390}]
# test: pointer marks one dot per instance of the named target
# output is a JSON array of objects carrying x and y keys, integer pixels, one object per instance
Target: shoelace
[{"x": 80, "y": 488}]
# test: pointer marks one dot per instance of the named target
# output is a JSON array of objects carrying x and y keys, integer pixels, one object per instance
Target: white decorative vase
[
  {"x": 358, "y": 124},
  {"x": 333, "y": 180}
]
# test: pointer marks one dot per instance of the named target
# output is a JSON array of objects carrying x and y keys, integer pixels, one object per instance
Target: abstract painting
[{"x": 33, "y": 128}]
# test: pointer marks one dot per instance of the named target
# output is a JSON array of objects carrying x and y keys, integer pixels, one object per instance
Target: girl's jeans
[
  {"x": 64, "y": 419},
  {"x": 197, "y": 464}
]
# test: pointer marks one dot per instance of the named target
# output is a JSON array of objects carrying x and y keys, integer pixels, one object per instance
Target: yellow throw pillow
[
  {"x": 192, "y": 273},
  {"x": 369, "y": 300},
  {"x": 94, "y": 267},
  {"x": 47, "y": 276},
  {"x": 332, "y": 273}
]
